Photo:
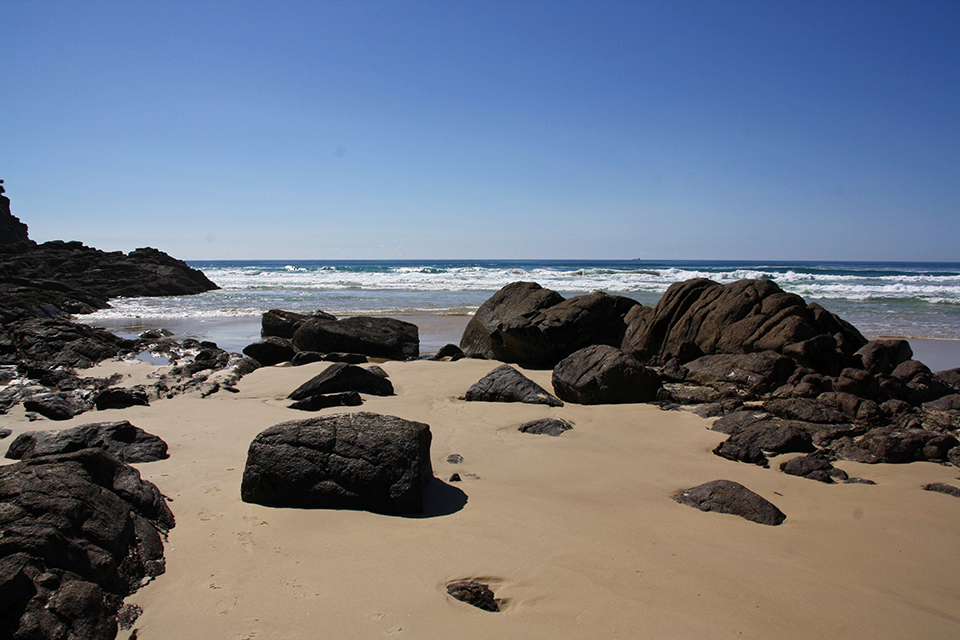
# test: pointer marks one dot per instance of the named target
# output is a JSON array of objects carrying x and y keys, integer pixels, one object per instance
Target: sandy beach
[{"x": 576, "y": 534}]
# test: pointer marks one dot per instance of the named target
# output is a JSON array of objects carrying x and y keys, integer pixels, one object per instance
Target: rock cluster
[{"x": 81, "y": 531}]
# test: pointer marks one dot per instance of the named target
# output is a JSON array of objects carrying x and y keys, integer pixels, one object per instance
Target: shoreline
[{"x": 233, "y": 333}]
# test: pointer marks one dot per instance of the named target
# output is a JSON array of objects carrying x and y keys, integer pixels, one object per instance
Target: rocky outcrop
[
  {"x": 363, "y": 461},
  {"x": 513, "y": 300},
  {"x": 370, "y": 336},
  {"x": 56, "y": 342},
  {"x": 701, "y": 317},
  {"x": 726, "y": 496},
  {"x": 546, "y": 336},
  {"x": 12, "y": 231},
  {"x": 283, "y": 324},
  {"x": 121, "y": 439},
  {"x": 603, "y": 374},
  {"x": 506, "y": 384},
  {"x": 80, "y": 532},
  {"x": 813, "y": 467},
  {"x": 62, "y": 278}
]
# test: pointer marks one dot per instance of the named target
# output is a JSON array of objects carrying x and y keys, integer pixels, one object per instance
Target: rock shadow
[{"x": 440, "y": 499}]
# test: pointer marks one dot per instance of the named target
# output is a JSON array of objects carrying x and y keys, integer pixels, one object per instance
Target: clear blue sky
[{"x": 328, "y": 130}]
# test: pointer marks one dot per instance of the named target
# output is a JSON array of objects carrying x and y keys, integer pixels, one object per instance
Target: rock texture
[
  {"x": 370, "y": 336},
  {"x": 506, "y": 384},
  {"x": 726, "y": 496},
  {"x": 363, "y": 461},
  {"x": 270, "y": 351},
  {"x": 62, "y": 278},
  {"x": 515, "y": 299},
  {"x": 80, "y": 532},
  {"x": 703, "y": 317},
  {"x": 474, "y": 593},
  {"x": 546, "y": 426},
  {"x": 604, "y": 375},
  {"x": 122, "y": 440},
  {"x": 341, "y": 377}
]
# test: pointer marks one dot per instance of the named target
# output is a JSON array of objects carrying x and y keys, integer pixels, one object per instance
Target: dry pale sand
[{"x": 577, "y": 534}]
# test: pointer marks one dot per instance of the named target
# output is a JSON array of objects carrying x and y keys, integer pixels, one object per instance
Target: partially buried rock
[
  {"x": 340, "y": 377},
  {"x": 55, "y": 406},
  {"x": 124, "y": 441},
  {"x": 604, "y": 375},
  {"x": 451, "y": 351},
  {"x": 120, "y": 398},
  {"x": 474, "y": 593},
  {"x": 364, "y": 461},
  {"x": 942, "y": 487},
  {"x": 727, "y": 496},
  {"x": 374, "y": 337},
  {"x": 813, "y": 467},
  {"x": 325, "y": 400},
  {"x": 546, "y": 426},
  {"x": 506, "y": 384}
]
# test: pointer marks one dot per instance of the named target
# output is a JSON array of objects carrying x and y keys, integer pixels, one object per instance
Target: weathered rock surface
[
  {"x": 270, "y": 351},
  {"x": 602, "y": 374},
  {"x": 892, "y": 445},
  {"x": 55, "y": 342},
  {"x": 363, "y": 461},
  {"x": 80, "y": 532},
  {"x": 942, "y": 487},
  {"x": 120, "y": 398},
  {"x": 754, "y": 443},
  {"x": 883, "y": 356},
  {"x": 726, "y": 496},
  {"x": 755, "y": 372},
  {"x": 326, "y": 400},
  {"x": 340, "y": 377},
  {"x": 546, "y": 336},
  {"x": 121, "y": 439},
  {"x": 813, "y": 467},
  {"x": 55, "y": 406},
  {"x": 283, "y": 324},
  {"x": 546, "y": 426},
  {"x": 12, "y": 230},
  {"x": 703, "y": 317},
  {"x": 506, "y": 384},
  {"x": 370, "y": 336},
  {"x": 516, "y": 298},
  {"x": 474, "y": 593}
]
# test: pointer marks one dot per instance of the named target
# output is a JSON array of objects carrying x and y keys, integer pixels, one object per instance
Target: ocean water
[{"x": 913, "y": 300}]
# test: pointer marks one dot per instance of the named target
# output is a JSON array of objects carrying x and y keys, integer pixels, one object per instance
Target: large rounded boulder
[
  {"x": 370, "y": 336},
  {"x": 602, "y": 374},
  {"x": 364, "y": 461}
]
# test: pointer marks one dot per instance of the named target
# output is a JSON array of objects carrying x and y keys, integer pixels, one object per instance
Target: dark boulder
[
  {"x": 326, "y": 400},
  {"x": 754, "y": 443},
  {"x": 946, "y": 403},
  {"x": 59, "y": 405},
  {"x": 859, "y": 383},
  {"x": 546, "y": 426},
  {"x": 726, "y": 496},
  {"x": 122, "y": 440},
  {"x": 813, "y": 467},
  {"x": 374, "y": 337},
  {"x": 283, "y": 324},
  {"x": 56, "y": 342},
  {"x": 546, "y": 336},
  {"x": 474, "y": 593},
  {"x": 362, "y": 461},
  {"x": 12, "y": 230},
  {"x": 921, "y": 384},
  {"x": 340, "y": 377},
  {"x": 506, "y": 384},
  {"x": 306, "y": 357},
  {"x": 120, "y": 398},
  {"x": 602, "y": 374},
  {"x": 270, "y": 351},
  {"x": 80, "y": 532},
  {"x": 805, "y": 409},
  {"x": 893, "y": 445},
  {"x": 951, "y": 378},
  {"x": 740, "y": 317},
  {"x": 515, "y": 299},
  {"x": 883, "y": 356},
  {"x": 349, "y": 358},
  {"x": 761, "y": 371}
]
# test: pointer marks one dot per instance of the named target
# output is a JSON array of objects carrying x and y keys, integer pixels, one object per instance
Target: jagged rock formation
[{"x": 12, "y": 231}]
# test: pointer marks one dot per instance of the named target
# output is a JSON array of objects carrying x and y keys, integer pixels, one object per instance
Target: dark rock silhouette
[
  {"x": 121, "y": 439},
  {"x": 12, "y": 231},
  {"x": 602, "y": 374},
  {"x": 370, "y": 336},
  {"x": 726, "y": 496},
  {"x": 506, "y": 384}
]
